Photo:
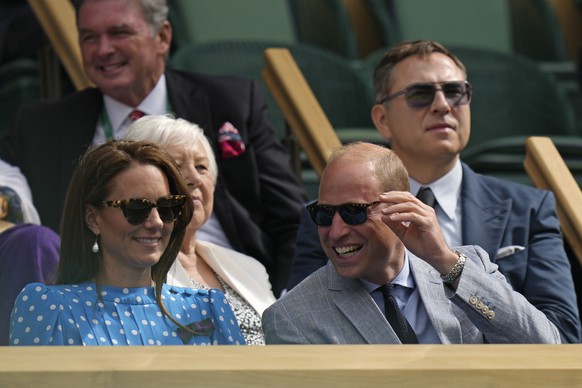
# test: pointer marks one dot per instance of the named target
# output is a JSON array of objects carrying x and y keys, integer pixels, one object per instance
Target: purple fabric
[{"x": 28, "y": 253}]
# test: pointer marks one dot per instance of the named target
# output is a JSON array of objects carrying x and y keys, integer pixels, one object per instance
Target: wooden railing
[
  {"x": 302, "y": 366},
  {"x": 300, "y": 107},
  {"x": 547, "y": 170}
]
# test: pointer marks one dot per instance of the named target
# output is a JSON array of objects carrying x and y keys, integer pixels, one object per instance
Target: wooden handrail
[
  {"x": 300, "y": 107},
  {"x": 302, "y": 366},
  {"x": 57, "y": 18},
  {"x": 547, "y": 170}
]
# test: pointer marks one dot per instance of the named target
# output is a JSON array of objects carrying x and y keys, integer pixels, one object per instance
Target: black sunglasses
[
  {"x": 137, "y": 210},
  {"x": 421, "y": 95},
  {"x": 351, "y": 213}
]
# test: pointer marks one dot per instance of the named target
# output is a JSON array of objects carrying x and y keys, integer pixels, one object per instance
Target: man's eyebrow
[{"x": 116, "y": 27}]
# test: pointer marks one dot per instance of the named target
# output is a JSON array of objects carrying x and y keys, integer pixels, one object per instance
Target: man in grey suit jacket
[
  {"x": 376, "y": 233},
  {"x": 428, "y": 126},
  {"x": 124, "y": 44}
]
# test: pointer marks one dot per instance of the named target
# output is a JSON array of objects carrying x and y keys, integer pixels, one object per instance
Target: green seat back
[
  {"x": 202, "y": 21},
  {"x": 513, "y": 97},
  {"x": 344, "y": 97},
  {"x": 477, "y": 23},
  {"x": 325, "y": 24}
]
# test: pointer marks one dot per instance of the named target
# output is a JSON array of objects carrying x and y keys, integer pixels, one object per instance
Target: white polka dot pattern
[{"x": 128, "y": 316}]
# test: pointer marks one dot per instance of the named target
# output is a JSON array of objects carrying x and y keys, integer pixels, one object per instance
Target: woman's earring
[{"x": 95, "y": 247}]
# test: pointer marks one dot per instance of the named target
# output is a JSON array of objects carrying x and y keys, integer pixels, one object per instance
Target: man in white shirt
[{"x": 124, "y": 45}]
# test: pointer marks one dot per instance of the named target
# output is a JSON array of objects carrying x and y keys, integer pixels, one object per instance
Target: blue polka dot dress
[{"x": 74, "y": 315}]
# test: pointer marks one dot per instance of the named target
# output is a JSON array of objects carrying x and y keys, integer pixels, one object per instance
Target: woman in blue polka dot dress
[{"x": 124, "y": 220}]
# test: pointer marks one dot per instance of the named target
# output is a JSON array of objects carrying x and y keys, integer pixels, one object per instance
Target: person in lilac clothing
[
  {"x": 124, "y": 221},
  {"x": 28, "y": 253}
]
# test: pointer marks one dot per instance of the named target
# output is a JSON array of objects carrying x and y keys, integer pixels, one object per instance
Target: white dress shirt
[
  {"x": 447, "y": 191},
  {"x": 156, "y": 103}
]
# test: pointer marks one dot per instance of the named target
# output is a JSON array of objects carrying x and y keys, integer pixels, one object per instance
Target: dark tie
[
  {"x": 396, "y": 318},
  {"x": 136, "y": 114},
  {"x": 426, "y": 195}
]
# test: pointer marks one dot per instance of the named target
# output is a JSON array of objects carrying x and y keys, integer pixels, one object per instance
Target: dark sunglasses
[
  {"x": 137, "y": 210},
  {"x": 421, "y": 95},
  {"x": 351, "y": 213}
]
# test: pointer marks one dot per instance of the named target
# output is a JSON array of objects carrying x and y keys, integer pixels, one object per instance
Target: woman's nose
[
  {"x": 154, "y": 220},
  {"x": 191, "y": 174}
]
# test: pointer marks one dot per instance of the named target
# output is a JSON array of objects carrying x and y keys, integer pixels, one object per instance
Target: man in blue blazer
[
  {"x": 379, "y": 236},
  {"x": 124, "y": 44},
  {"x": 423, "y": 111}
]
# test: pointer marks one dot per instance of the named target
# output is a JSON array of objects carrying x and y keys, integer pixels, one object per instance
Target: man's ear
[
  {"x": 92, "y": 219},
  {"x": 165, "y": 37},
  {"x": 380, "y": 120}
]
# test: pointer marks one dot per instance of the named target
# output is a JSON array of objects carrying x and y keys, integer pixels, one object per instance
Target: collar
[
  {"x": 404, "y": 277},
  {"x": 446, "y": 189},
  {"x": 153, "y": 104}
]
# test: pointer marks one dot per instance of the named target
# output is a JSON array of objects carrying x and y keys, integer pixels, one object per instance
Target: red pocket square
[{"x": 230, "y": 142}]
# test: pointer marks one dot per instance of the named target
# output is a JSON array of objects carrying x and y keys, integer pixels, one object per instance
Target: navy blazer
[
  {"x": 257, "y": 197},
  {"x": 496, "y": 214}
]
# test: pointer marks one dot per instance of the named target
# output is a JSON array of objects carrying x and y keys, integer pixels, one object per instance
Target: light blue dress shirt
[{"x": 409, "y": 301}]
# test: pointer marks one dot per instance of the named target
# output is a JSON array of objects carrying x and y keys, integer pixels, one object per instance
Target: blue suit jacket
[
  {"x": 257, "y": 196},
  {"x": 329, "y": 309},
  {"x": 496, "y": 214}
]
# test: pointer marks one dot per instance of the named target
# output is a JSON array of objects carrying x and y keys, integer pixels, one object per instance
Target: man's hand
[{"x": 417, "y": 226}]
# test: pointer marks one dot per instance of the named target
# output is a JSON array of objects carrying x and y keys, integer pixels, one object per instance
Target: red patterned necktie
[{"x": 136, "y": 114}]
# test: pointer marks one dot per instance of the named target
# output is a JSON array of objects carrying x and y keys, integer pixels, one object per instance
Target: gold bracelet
[{"x": 457, "y": 269}]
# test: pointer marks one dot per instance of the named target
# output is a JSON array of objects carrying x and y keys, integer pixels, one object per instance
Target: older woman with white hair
[{"x": 203, "y": 264}]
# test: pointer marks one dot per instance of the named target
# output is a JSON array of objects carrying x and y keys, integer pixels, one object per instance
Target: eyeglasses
[
  {"x": 421, "y": 95},
  {"x": 137, "y": 210},
  {"x": 351, "y": 213}
]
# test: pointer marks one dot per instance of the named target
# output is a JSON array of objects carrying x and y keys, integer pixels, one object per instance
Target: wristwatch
[{"x": 455, "y": 272}]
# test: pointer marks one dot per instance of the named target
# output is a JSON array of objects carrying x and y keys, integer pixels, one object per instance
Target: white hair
[{"x": 165, "y": 130}]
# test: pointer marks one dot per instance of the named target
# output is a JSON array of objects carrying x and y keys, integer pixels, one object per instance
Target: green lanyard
[{"x": 108, "y": 129}]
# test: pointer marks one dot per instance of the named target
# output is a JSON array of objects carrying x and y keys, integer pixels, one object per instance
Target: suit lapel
[
  {"x": 485, "y": 216},
  {"x": 237, "y": 275},
  {"x": 438, "y": 307},
  {"x": 76, "y": 136},
  {"x": 189, "y": 103},
  {"x": 352, "y": 299}
]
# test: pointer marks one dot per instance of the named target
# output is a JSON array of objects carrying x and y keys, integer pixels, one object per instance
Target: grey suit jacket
[
  {"x": 329, "y": 309},
  {"x": 497, "y": 214}
]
